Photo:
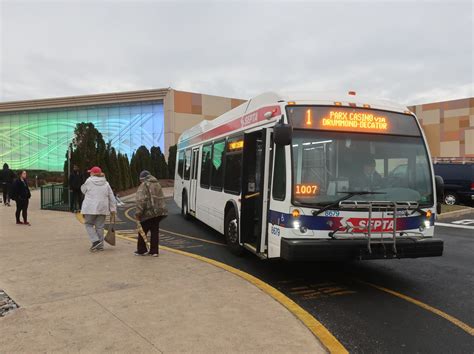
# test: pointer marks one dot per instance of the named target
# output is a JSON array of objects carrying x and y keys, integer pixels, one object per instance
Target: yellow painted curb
[
  {"x": 316, "y": 327},
  {"x": 464, "y": 326}
]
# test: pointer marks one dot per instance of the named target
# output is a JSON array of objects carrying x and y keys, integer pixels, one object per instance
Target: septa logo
[
  {"x": 249, "y": 119},
  {"x": 376, "y": 225}
]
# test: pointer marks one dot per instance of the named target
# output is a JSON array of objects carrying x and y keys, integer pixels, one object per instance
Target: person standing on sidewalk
[
  {"x": 151, "y": 209},
  {"x": 75, "y": 182},
  {"x": 7, "y": 178},
  {"x": 99, "y": 201},
  {"x": 21, "y": 195}
]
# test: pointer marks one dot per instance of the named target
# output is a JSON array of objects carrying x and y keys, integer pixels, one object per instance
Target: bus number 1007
[{"x": 306, "y": 189}]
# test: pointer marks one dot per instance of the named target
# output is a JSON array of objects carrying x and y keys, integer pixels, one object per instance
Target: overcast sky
[{"x": 410, "y": 52}]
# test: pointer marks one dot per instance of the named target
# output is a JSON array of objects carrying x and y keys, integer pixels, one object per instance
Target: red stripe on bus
[{"x": 238, "y": 123}]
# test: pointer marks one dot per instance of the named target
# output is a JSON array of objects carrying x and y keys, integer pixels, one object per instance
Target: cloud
[{"x": 409, "y": 52}]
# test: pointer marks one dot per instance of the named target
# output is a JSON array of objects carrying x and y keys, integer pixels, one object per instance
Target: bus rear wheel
[
  {"x": 184, "y": 207},
  {"x": 231, "y": 232}
]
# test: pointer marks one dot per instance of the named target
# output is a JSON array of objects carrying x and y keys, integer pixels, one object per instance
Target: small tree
[
  {"x": 160, "y": 167},
  {"x": 88, "y": 148},
  {"x": 143, "y": 159},
  {"x": 163, "y": 166},
  {"x": 133, "y": 170},
  {"x": 114, "y": 171},
  {"x": 127, "y": 176},
  {"x": 172, "y": 160},
  {"x": 155, "y": 161}
]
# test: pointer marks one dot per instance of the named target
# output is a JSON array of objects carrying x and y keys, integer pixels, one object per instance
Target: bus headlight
[
  {"x": 296, "y": 224},
  {"x": 427, "y": 224}
]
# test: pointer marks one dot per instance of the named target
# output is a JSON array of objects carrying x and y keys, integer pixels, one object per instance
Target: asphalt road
[{"x": 347, "y": 297}]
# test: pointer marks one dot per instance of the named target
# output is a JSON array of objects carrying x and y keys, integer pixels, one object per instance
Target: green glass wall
[{"x": 39, "y": 139}]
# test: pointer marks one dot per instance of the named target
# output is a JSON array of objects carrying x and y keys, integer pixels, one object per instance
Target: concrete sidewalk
[{"x": 73, "y": 300}]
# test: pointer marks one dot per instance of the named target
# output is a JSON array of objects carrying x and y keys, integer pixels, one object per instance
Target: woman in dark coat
[
  {"x": 21, "y": 194},
  {"x": 7, "y": 177}
]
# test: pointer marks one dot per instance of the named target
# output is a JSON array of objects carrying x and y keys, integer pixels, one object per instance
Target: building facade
[
  {"x": 449, "y": 128},
  {"x": 35, "y": 134}
]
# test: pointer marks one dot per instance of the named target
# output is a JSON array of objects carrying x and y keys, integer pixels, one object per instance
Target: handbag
[{"x": 110, "y": 236}]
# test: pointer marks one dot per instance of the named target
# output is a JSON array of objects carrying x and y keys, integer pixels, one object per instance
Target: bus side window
[
  {"x": 279, "y": 174},
  {"x": 233, "y": 165},
  {"x": 180, "y": 163},
  {"x": 205, "y": 165},
  {"x": 217, "y": 165},
  {"x": 187, "y": 167}
]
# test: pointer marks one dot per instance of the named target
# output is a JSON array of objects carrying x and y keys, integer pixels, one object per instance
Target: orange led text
[
  {"x": 236, "y": 145},
  {"x": 356, "y": 120},
  {"x": 306, "y": 189}
]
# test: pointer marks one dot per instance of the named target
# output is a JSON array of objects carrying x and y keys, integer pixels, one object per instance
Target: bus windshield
[{"x": 327, "y": 165}]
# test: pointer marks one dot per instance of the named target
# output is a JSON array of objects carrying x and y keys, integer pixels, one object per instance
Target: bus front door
[
  {"x": 254, "y": 193},
  {"x": 193, "y": 181}
]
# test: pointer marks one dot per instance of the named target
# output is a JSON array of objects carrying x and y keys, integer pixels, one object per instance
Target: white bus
[{"x": 304, "y": 178}]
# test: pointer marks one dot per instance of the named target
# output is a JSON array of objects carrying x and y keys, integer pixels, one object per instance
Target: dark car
[{"x": 458, "y": 182}]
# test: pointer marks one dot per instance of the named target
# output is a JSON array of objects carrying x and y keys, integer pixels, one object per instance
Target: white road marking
[
  {"x": 455, "y": 226},
  {"x": 464, "y": 222}
]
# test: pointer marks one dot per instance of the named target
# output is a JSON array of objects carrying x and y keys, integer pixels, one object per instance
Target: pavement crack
[{"x": 127, "y": 325}]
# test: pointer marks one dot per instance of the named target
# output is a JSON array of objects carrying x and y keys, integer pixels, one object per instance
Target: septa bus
[{"x": 307, "y": 178}]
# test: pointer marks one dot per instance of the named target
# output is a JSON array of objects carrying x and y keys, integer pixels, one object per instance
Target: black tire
[
  {"x": 184, "y": 207},
  {"x": 231, "y": 232},
  {"x": 450, "y": 198}
]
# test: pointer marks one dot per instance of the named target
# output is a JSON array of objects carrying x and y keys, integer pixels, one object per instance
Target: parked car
[{"x": 458, "y": 182}]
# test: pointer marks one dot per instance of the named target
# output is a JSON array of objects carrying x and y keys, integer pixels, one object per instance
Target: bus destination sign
[
  {"x": 350, "y": 119},
  {"x": 355, "y": 120}
]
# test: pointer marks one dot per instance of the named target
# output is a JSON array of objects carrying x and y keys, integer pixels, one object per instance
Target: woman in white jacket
[{"x": 99, "y": 201}]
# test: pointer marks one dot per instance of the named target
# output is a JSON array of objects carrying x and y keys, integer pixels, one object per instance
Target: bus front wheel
[{"x": 231, "y": 231}]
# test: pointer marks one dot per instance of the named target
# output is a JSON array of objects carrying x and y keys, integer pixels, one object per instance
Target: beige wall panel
[
  {"x": 215, "y": 106},
  {"x": 433, "y": 136},
  {"x": 168, "y": 106},
  {"x": 184, "y": 121},
  {"x": 469, "y": 138},
  {"x": 419, "y": 110},
  {"x": 456, "y": 112},
  {"x": 471, "y": 120},
  {"x": 451, "y": 124},
  {"x": 431, "y": 117},
  {"x": 449, "y": 149},
  {"x": 169, "y": 141}
]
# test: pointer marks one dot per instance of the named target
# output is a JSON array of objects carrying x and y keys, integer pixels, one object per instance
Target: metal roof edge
[{"x": 84, "y": 100}]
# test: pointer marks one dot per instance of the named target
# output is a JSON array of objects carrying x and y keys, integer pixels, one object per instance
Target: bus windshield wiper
[{"x": 335, "y": 204}]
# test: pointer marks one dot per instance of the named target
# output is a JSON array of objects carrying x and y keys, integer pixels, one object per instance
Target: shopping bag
[{"x": 110, "y": 236}]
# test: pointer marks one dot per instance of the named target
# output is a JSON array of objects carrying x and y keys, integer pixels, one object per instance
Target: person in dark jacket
[
  {"x": 151, "y": 209},
  {"x": 7, "y": 178},
  {"x": 75, "y": 183},
  {"x": 21, "y": 194}
]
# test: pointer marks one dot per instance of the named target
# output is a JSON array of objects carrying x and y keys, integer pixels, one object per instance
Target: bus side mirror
[
  {"x": 439, "y": 183},
  {"x": 282, "y": 134}
]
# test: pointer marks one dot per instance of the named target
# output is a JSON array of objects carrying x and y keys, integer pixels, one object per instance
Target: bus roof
[{"x": 272, "y": 99}]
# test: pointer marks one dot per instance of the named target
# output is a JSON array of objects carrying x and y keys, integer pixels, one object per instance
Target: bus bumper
[{"x": 329, "y": 250}]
